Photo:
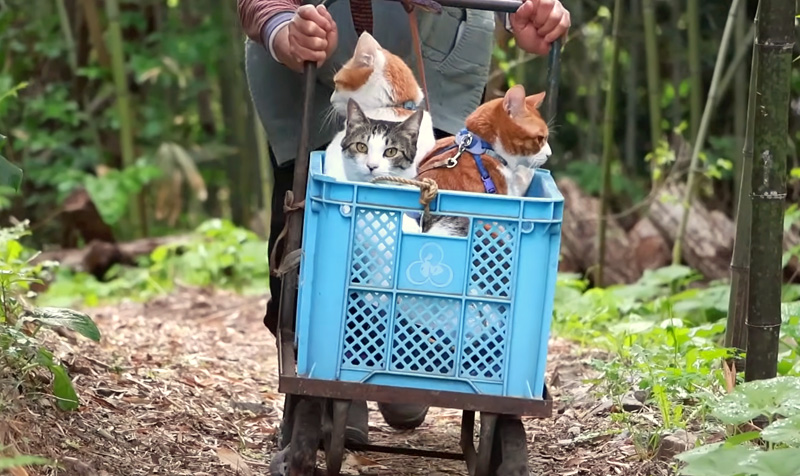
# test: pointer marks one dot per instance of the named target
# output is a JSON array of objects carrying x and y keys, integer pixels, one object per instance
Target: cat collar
[{"x": 410, "y": 105}]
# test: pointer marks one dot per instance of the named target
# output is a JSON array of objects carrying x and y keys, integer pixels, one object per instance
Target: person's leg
[
  {"x": 284, "y": 176},
  {"x": 358, "y": 418}
]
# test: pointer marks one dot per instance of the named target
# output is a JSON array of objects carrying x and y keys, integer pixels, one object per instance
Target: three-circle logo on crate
[{"x": 430, "y": 268}]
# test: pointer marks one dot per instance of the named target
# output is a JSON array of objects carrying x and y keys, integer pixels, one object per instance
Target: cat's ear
[
  {"x": 536, "y": 100},
  {"x": 366, "y": 50},
  {"x": 412, "y": 124},
  {"x": 514, "y": 101},
  {"x": 355, "y": 116}
]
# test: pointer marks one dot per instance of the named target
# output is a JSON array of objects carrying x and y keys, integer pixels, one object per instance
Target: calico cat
[
  {"x": 373, "y": 147},
  {"x": 509, "y": 136},
  {"x": 385, "y": 89}
]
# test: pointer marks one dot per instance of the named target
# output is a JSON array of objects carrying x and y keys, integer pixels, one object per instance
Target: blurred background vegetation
[{"x": 141, "y": 108}]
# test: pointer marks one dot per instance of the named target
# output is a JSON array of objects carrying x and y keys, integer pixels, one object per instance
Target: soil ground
[{"x": 187, "y": 385}]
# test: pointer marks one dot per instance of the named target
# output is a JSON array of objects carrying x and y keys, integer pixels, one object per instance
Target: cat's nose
[
  {"x": 372, "y": 168},
  {"x": 547, "y": 150}
]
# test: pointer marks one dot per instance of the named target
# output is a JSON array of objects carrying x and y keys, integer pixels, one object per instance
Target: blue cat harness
[{"x": 466, "y": 141}]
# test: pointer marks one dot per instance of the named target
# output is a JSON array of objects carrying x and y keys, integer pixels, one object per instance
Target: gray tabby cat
[{"x": 374, "y": 147}]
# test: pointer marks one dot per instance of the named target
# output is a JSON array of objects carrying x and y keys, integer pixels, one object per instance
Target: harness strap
[
  {"x": 466, "y": 141},
  {"x": 412, "y": 22}
]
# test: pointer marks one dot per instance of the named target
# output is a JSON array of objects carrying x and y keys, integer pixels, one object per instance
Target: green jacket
[{"x": 456, "y": 50}]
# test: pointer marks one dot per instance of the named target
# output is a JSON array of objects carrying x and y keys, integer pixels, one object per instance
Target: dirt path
[{"x": 187, "y": 385}]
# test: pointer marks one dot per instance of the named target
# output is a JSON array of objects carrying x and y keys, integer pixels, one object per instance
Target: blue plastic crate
[{"x": 464, "y": 314}]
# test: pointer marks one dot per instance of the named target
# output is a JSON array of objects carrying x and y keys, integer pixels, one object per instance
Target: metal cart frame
[{"x": 316, "y": 410}]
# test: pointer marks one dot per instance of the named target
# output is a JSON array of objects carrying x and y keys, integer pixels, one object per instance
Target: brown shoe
[{"x": 403, "y": 416}]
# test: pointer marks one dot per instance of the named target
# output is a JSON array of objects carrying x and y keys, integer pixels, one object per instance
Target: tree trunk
[
  {"x": 653, "y": 87},
  {"x": 700, "y": 137},
  {"x": 123, "y": 105},
  {"x": 93, "y": 22},
  {"x": 774, "y": 42},
  {"x": 632, "y": 95},
  {"x": 695, "y": 73},
  {"x": 735, "y": 331},
  {"x": 608, "y": 143}
]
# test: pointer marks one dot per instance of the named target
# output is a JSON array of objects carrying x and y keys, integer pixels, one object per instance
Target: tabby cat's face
[{"x": 372, "y": 147}]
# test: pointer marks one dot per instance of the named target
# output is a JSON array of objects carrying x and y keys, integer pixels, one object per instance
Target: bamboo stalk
[
  {"x": 234, "y": 87},
  {"x": 735, "y": 331},
  {"x": 741, "y": 106},
  {"x": 774, "y": 42},
  {"x": 695, "y": 73},
  {"x": 123, "y": 106},
  {"x": 677, "y": 60},
  {"x": 745, "y": 45},
  {"x": 632, "y": 96},
  {"x": 608, "y": 144},
  {"x": 95, "y": 27},
  {"x": 653, "y": 87},
  {"x": 69, "y": 39},
  {"x": 703, "y": 130}
]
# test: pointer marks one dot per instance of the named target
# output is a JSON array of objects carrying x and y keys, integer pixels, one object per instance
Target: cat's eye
[
  {"x": 361, "y": 148},
  {"x": 390, "y": 152}
]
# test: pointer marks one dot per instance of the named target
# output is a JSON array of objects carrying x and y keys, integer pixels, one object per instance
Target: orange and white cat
[
  {"x": 385, "y": 89},
  {"x": 513, "y": 135}
]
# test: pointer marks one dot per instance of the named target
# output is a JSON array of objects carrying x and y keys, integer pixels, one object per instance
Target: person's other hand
[
  {"x": 538, "y": 23},
  {"x": 310, "y": 36}
]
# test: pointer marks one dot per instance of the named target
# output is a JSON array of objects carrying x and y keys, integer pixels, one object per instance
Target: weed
[{"x": 20, "y": 322}]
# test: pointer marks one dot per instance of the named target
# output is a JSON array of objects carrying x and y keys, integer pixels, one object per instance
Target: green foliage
[
  {"x": 112, "y": 192},
  {"x": 217, "y": 254},
  {"x": 11, "y": 462},
  {"x": 776, "y": 399},
  {"x": 20, "y": 323},
  {"x": 664, "y": 337}
]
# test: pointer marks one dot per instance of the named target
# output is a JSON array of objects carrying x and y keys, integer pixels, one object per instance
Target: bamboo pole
[
  {"x": 632, "y": 96},
  {"x": 653, "y": 86},
  {"x": 695, "y": 73},
  {"x": 608, "y": 144},
  {"x": 123, "y": 106},
  {"x": 69, "y": 39},
  {"x": 774, "y": 42},
  {"x": 702, "y": 132},
  {"x": 735, "y": 330},
  {"x": 94, "y": 25},
  {"x": 741, "y": 106},
  {"x": 234, "y": 87}
]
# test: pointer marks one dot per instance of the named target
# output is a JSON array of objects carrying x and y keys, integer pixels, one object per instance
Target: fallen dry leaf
[{"x": 234, "y": 460}]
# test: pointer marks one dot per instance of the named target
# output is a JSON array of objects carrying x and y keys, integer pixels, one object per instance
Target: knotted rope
[
  {"x": 292, "y": 259},
  {"x": 428, "y": 189}
]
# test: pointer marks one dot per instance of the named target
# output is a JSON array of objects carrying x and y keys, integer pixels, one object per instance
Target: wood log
[
  {"x": 99, "y": 256},
  {"x": 79, "y": 214},
  {"x": 650, "y": 249},
  {"x": 579, "y": 238},
  {"x": 708, "y": 244}
]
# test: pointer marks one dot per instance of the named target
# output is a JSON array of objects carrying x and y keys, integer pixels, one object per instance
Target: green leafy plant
[
  {"x": 217, "y": 254},
  {"x": 18, "y": 461},
  {"x": 20, "y": 323},
  {"x": 778, "y": 453}
]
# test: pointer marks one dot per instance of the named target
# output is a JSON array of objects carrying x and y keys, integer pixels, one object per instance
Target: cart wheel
[
  {"x": 335, "y": 425},
  {"x": 509, "y": 448},
  {"x": 306, "y": 428}
]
